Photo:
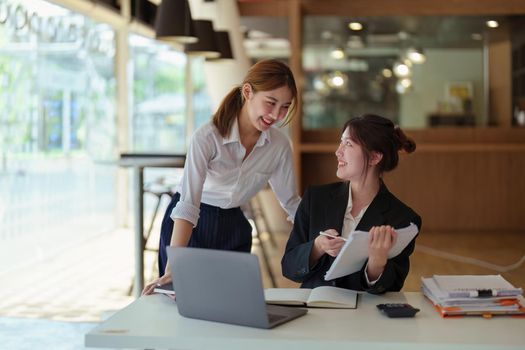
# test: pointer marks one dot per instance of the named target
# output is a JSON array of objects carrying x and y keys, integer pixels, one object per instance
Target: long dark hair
[
  {"x": 379, "y": 134},
  {"x": 265, "y": 75}
]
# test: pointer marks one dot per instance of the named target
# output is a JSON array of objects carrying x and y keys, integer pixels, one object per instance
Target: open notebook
[{"x": 324, "y": 296}]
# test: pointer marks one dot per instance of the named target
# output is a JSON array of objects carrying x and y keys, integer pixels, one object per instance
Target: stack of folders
[{"x": 483, "y": 295}]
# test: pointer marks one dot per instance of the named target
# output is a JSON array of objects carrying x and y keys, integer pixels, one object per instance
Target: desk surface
[{"x": 153, "y": 322}]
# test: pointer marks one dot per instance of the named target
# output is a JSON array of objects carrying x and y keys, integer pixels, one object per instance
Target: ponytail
[{"x": 228, "y": 110}]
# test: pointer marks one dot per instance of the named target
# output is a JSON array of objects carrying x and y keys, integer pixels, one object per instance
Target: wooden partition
[{"x": 458, "y": 179}]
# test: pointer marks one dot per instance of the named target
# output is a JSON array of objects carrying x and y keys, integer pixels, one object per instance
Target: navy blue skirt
[{"x": 224, "y": 229}]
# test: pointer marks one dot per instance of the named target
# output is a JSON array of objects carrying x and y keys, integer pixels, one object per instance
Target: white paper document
[
  {"x": 355, "y": 251},
  {"x": 452, "y": 295},
  {"x": 474, "y": 286}
]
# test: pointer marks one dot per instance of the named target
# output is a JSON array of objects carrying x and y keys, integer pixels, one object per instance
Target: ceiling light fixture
[
  {"x": 207, "y": 44},
  {"x": 145, "y": 11},
  {"x": 416, "y": 55},
  {"x": 355, "y": 26},
  {"x": 492, "y": 24},
  {"x": 387, "y": 73},
  {"x": 337, "y": 80},
  {"x": 337, "y": 53},
  {"x": 403, "y": 85},
  {"x": 225, "y": 48},
  {"x": 174, "y": 23},
  {"x": 401, "y": 70}
]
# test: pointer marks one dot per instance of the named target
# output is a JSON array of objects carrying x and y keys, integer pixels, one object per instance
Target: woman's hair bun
[{"x": 405, "y": 143}]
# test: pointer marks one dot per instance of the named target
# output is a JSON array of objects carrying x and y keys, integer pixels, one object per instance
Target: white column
[
  {"x": 223, "y": 75},
  {"x": 123, "y": 99}
]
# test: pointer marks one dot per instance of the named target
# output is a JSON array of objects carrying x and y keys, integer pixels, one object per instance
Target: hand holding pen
[{"x": 329, "y": 242}]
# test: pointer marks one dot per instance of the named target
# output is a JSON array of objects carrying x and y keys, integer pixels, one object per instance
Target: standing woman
[
  {"x": 369, "y": 147},
  {"x": 229, "y": 160}
]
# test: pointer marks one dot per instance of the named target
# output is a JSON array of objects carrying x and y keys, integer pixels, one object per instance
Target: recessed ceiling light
[
  {"x": 492, "y": 24},
  {"x": 355, "y": 26}
]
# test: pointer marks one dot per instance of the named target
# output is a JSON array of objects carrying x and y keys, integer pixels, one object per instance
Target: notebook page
[{"x": 355, "y": 251}]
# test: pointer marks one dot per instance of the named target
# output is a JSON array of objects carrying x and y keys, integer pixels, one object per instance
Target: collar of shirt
[
  {"x": 236, "y": 137},
  {"x": 351, "y": 222}
]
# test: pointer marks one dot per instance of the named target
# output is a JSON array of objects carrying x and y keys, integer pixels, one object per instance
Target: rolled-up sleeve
[
  {"x": 186, "y": 211},
  {"x": 199, "y": 154}
]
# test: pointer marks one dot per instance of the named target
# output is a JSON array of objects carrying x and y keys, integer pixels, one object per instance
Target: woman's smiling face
[
  {"x": 350, "y": 159},
  {"x": 267, "y": 107}
]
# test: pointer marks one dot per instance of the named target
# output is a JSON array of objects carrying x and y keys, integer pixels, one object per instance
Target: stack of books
[{"x": 484, "y": 295}]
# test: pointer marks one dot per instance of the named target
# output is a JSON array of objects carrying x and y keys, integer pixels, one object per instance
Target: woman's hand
[
  {"x": 180, "y": 237},
  {"x": 380, "y": 240},
  {"x": 158, "y": 282},
  {"x": 328, "y": 245}
]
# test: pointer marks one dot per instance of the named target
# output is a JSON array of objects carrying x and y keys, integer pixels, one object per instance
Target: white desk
[
  {"x": 153, "y": 322},
  {"x": 138, "y": 162}
]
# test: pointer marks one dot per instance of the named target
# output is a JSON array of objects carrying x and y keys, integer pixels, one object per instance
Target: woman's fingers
[
  {"x": 149, "y": 288},
  {"x": 382, "y": 237},
  {"x": 330, "y": 245},
  {"x": 158, "y": 282}
]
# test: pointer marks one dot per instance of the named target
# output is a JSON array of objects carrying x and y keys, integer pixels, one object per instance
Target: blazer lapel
[
  {"x": 336, "y": 214},
  {"x": 374, "y": 214}
]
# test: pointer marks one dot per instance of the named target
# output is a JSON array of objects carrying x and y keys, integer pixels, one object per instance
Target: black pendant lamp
[
  {"x": 206, "y": 45},
  {"x": 174, "y": 23},
  {"x": 225, "y": 48}
]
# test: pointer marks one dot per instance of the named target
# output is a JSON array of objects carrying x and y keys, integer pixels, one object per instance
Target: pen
[{"x": 322, "y": 233}]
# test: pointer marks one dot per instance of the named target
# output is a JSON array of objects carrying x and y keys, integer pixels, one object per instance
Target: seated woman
[{"x": 369, "y": 147}]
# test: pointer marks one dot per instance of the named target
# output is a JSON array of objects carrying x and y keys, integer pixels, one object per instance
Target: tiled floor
[
  {"x": 37, "y": 334},
  {"x": 52, "y": 302},
  {"x": 77, "y": 284}
]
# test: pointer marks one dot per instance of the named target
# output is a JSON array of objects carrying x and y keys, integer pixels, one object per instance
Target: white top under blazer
[{"x": 216, "y": 174}]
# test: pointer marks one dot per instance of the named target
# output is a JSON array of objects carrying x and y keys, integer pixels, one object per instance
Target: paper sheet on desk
[{"x": 355, "y": 251}]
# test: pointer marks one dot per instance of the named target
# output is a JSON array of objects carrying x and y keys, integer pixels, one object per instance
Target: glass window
[
  {"x": 409, "y": 69},
  {"x": 202, "y": 109},
  {"x": 57, "y": 128},
  {"x": 158, "y": 116}
]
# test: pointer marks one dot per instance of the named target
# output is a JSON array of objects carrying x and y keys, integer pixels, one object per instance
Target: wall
[{"x": 429, "y": 81}]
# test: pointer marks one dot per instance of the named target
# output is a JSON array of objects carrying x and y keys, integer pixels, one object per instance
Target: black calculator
[{"x": 397, "y": 310}]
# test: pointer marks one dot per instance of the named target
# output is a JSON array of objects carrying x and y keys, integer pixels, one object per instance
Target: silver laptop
[{"x": 223, "y": 286}]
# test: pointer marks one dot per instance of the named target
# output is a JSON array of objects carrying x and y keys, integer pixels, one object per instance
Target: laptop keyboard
[{"x": 275, "y": 318}]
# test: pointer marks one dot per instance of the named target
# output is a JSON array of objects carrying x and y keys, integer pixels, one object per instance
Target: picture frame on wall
[{"x": 460, "y": 93}]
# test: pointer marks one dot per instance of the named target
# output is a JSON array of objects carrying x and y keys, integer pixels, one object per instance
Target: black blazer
[{"x": 323, "y": 207}]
